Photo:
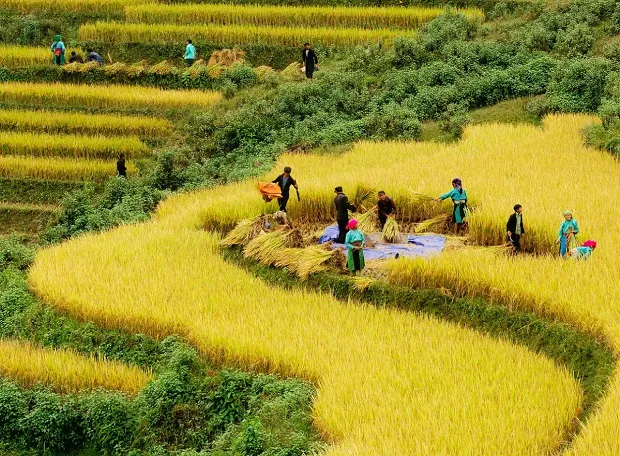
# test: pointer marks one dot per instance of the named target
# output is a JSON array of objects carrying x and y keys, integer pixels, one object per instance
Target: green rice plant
[
  {"x": 234, "y": 35},
  {"x": 278, "y": 15},
  {"x": 110, "y": 96},
  {"x": 74, "y": 146},
  {"x": 57, "y": 122}
]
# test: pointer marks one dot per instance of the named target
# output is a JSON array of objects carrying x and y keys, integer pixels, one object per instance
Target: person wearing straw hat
[
  {"x": 355, "y": 247},
  {"x": 567, "y": 237},
  {"x": 342, "y": 213}
]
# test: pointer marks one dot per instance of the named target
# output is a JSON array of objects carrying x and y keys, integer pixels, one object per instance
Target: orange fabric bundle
[{"x": 269, "y": 190}]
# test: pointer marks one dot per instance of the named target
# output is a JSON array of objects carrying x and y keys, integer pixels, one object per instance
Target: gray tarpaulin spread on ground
[{"x": 416, "y": 246}]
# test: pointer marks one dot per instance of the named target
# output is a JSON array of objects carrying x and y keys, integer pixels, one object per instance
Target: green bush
[
  {"x": 575, "y": 41},
  {"x": 579, "y": 85},
  {"x": 14, "y": 253},
  {"x": 454, "y": 119}
]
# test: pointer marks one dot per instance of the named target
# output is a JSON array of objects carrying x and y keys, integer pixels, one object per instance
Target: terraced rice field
[{"x": 381, "y": 389}]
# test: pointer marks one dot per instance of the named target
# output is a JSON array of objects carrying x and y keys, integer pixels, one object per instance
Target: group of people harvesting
[
  {"x": 353, "y": 238},
  {"x": 58, "y": 50}
]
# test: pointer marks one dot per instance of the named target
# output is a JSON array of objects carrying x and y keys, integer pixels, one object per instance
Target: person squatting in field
[
  {"x": 514, "y": 227},
  {"x": 284, "y": 181},
  {"x": 385, "y": 207},
  {"x": 121, "y": 169},
  {"x": 582, "y": 252},
  {"x": 342, "y": 213},
  {"x": 309, "y": 60},
  {"x": 355, "y": 247},
  {"x": 567, "y": 237},
  {"x": 459, "y": 199},
  {"x": 58, "y": 49}
]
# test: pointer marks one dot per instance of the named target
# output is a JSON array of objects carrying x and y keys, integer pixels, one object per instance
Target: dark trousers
[
  {"x": 189, "y": 62},
  {"x": 382, "y": 220},
  {"x": 342, "y": 231},
  {"x": 357, "y": 264},
  {"x": 282, "y": 202},
  {"x": 58, "y": 59},
  {"x": 309, "y": 73},
  {"x": 516, "y": 242}
]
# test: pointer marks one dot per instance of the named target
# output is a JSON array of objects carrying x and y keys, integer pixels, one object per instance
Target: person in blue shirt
[
  {"x": 58, "y": 49},
  {"x": 93, "y": 57},
  {"x": 190, "y": 53},
  {"x": 583, "y": 252},
  {"x": 459, "y": 199},
  {"x": 567, "y": 237}
]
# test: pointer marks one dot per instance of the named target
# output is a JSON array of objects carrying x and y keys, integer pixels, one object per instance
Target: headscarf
[
  {"x": 459, "y": 184},
  {"x": 352, "y": 224},
  {"x": 567, "y": 212},
  {"x": 57, "y": 38},
  {"x": 590, "y": 243}
]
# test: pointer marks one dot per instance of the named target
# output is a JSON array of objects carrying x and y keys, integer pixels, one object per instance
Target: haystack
[{"x": 226, "y": 57}]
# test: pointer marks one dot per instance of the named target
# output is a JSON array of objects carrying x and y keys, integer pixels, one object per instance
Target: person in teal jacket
[
  {"x": 459, "y": 199},
  {"x": 355, "y": 246},
  {"x": 58, "y": 49},
  {"x": 567, "y": 237},
  {"x": 190, "y": 53}
]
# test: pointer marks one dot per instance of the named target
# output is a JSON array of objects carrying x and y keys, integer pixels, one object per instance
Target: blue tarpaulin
[{"x": 416, "y": 246}]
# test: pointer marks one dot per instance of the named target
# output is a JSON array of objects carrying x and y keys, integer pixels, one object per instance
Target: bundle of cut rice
[
  {"x": 312, "y": 260},
  {"x": 266, "y": 248},
  {"x": 391, "y": 232},
  {"x": 367, "y": 222},
  {"x": 436, "y": 224},
  {"x": 244, "y": 232},
  {"x": 163, "y": 68},
  {"x": 362, "y": 194},
  {"x": 361, "y": 283}
]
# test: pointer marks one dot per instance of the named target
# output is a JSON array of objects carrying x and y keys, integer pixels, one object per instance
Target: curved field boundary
[{"x": 234, "y": 318}]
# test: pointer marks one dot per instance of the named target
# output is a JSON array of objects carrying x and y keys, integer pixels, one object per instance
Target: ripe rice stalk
[
  {"x": 72, "y": 6},
  {"x": 363, "y": 193},
  {"x": 226, "y": 57},
  {"x": 367, "y": 222},
  {"x": 115, "y": 69},
  {"x": 243, "y": 232},
  {"x": 102, "y": 96},
  {"x": 197, "y": 69},
  {"x": 230, "y": 315},
  {"x": 63, "y": 169},
  {"x": 300, "y": 16},
  {"x": 436, "y": 224},
  {"x": 57, "y": 122},
  {"x": 74, "y": 146},
  {"x": 391, "y": 232},
  {"x": 311, "y": 260},
  {"x": 361, "y": 283},
  {"x": 234, "y": 35},
  {"x": 80, "y": 68},
  {"x": 21, "y": 56},
  {"x": 67, "y": 371},
  {"x": 266, "y": 247},
  {"x": 163, "y": 68}
]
